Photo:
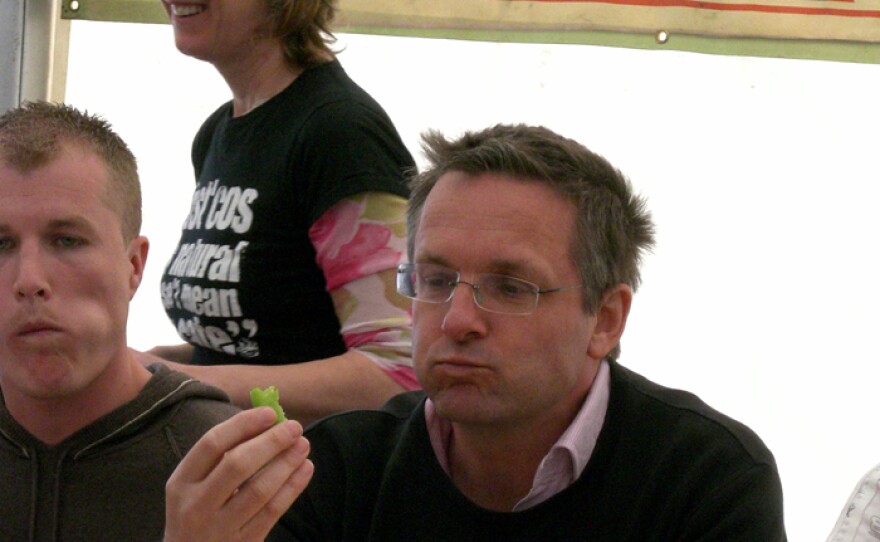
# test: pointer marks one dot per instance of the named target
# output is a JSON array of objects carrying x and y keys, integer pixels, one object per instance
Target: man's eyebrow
[
  {"x": 434, "y": 259},
  {"x": 501, "y": 266},
  {"x": 76, "y": 222},
  {"x": 74, "y": 225},
  {"x": 509, "y": 267}
]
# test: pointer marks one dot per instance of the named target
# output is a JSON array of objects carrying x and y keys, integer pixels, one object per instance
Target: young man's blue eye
[{"x": 68, "y": 241}]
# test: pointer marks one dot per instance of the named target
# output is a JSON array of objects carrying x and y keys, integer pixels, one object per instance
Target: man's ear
[
  {"x": 610, "y": 315},
  {"x": 138, "y": 249}
]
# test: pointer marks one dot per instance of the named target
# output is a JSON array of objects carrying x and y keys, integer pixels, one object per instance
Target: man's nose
[
  {"x": 31, "y": 277},
  {"x": 464, "y": 318}
]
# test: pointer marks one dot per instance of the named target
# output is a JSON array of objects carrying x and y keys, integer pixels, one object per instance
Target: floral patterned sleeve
[{"x": 359, "y": 243}]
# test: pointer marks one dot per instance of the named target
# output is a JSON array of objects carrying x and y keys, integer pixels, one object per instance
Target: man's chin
[
  {"x": 464, "y": 403},
  {"x": 40, "y": 376}
]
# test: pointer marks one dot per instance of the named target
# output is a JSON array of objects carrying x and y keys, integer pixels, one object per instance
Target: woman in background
[{"x": 284, "y": 273}]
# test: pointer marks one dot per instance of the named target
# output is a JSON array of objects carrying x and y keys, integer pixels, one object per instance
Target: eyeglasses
[{"x": 504, "y": 294}]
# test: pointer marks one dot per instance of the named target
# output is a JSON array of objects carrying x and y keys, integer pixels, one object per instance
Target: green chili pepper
[{"x": 269, "y": 398}]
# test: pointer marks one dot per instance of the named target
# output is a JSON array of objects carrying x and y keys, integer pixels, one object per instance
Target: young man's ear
[
  {"x": 611, "y": 315},
  {"x": 138, "y": 249}
]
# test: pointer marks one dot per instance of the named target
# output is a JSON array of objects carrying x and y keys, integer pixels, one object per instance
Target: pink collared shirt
[{"x": 565, "y": 461}]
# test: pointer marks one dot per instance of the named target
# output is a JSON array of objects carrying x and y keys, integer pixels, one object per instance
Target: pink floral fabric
[
  {"x": 350, "y": 247},
  {"x": 358, "y": 243}
]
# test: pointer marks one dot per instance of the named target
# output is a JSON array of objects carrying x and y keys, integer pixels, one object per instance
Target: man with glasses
[{"x": 525, "y": 250}]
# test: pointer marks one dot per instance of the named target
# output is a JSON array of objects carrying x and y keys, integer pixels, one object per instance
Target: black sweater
[{"x": 666, "y": 468}]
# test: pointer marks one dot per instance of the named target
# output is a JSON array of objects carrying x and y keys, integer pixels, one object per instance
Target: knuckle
[
  {"x": 274, "y": 509},
  {"x": 211, "y": 441},
  {"x": 236, "y": 465},
  {"x": 280, "y": 438},
  {"x": 260, "y": 491},
  {"x": 175, "y": 492},
  {"x": 171, "y": 491},
  {"x": 171, "y": 483}
]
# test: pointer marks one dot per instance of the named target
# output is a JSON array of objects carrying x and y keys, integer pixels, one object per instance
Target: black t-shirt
[{"x": 243, "y": 285}]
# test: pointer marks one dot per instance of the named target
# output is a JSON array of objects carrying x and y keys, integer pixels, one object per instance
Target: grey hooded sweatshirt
[{"x": 106, "y": 482}]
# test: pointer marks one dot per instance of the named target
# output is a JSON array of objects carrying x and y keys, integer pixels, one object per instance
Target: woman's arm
[
  {"x": 180, "y": 353},
  {"x": 359, "y": 243}
]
